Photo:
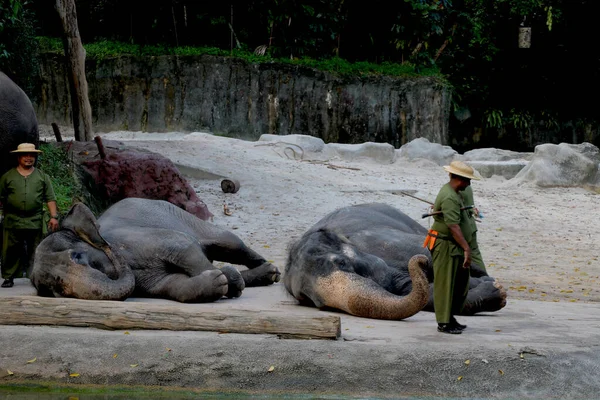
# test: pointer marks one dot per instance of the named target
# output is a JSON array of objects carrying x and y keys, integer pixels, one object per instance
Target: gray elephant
[
  {"x": 18, "y": 123},
  {"x": 363, "y": 260},
  {"x": 148, "y": 246}
]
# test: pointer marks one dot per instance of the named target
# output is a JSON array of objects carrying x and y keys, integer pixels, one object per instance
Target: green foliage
[
  {"x": 55, "y": 162},
  {"x": 493, "y": 118},
  {"x": 104, "y": 49},
  {"x": 18, "y": 47}
]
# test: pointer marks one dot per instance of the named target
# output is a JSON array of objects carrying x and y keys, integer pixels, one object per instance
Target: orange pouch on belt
[{"x": 430, "y": 239}]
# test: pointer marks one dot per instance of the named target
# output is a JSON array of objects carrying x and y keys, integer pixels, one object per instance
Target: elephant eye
[{"x": 343, "y": 265}]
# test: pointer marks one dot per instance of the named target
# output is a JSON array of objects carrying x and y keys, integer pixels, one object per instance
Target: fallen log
[
  {"x": 230, "y": 185},
  {"x": 33, "y": 310}
]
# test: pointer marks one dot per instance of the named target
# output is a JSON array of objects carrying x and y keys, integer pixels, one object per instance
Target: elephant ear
[{"x": 81, "y": 221}]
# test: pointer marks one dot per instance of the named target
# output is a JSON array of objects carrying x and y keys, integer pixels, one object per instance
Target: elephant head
[
  {"x": 325, "y": 269},
  {"x": 77, "y": 262}
]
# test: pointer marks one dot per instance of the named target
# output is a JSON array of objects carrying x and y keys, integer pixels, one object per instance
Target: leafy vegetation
[
  {"x": 107, "y": 48},
  {"x": 55, "y": 162},
  {"x": 18, "y": 46}
]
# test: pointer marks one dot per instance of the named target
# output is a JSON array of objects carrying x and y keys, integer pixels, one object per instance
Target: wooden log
[
  {"x": 230, "y": 185},
  {"x": 33, "y": 310}
]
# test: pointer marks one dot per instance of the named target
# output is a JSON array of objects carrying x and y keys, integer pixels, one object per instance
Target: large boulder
[
  {"x": 562, "y": 165},
  {"x": 491, "y": 161},
  {"x": 423, "y": 148},
  {"x": 123, "y": 172}
]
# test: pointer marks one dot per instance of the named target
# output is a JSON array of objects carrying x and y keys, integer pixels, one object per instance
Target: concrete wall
[{"x": 235, "y": 98}]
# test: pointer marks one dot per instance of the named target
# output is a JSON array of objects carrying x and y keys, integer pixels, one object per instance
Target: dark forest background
[{"x": 501, "y": 92}]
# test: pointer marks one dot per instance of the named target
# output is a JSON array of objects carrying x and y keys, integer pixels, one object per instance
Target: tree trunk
[
  {"x": 32, "y": 310},
  {"x": 75, "y": 58}
]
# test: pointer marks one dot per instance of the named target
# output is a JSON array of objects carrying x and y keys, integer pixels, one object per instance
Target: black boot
[
  {"x": 8, "y": 282},
  {"x": 448, "y": 328},
  {"x": 456, "y": 324}
]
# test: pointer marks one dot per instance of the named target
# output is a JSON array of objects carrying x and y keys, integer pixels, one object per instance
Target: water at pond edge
[{"x": 42, "y": 392}]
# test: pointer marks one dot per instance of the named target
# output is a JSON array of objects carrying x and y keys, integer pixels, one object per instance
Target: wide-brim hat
[
  {"x": 26, "y": 148},
  {"x": 461, "y": 169}
]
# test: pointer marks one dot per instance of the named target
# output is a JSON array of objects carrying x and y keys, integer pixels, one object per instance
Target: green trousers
[
  {"x": 18, "y": 248},
  {"x": 450, "y": 280},
  {"x": 476, "y": 257}
]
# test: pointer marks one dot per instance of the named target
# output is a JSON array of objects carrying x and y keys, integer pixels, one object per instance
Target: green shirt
[
  {"x": 450, "y": 203},
  {"x": 467, "y": 196},
  {"x": 23, "y": 198}
]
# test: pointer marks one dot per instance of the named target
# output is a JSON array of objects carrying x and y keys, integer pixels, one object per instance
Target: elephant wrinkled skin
[
  {"x": 368, "y": 260},
  {"x": 18, "y": 123},
  {"x": 148, "y": 246}
]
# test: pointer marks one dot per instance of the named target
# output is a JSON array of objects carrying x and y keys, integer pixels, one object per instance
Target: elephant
[
  {"x": 368, "y": 260},
  {"x": 18, "y": 123},
  {"x": 149, "y": 248}
]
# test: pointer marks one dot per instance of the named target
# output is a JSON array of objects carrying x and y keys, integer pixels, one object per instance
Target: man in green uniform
[
  {"x": 450, "y": 250},
  {"x": 468, "y": 200},
  {"x": 23, "y": 192}
]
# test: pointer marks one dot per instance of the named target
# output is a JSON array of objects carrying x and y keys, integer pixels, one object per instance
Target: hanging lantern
[{"x": 524, "y": 37}]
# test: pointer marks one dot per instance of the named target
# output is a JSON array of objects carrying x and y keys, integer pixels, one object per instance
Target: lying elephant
[
  {"x": 151, "y": 246},
  {"x": 365, "y": 260}
]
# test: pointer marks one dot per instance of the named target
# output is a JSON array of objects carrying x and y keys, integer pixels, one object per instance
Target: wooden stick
[
  {"x": 33, "y": 310},
  {"x": 410, "y": 195},
  {"x": 56, "y": 131},
  {"x": 100, "y": 145}
]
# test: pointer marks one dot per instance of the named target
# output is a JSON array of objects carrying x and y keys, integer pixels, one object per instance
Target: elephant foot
[
  {"x": 207, "y": 287},
  {"x": 235, "y": 281},
  {"x": 263, "y": 275},
  {"x": 488, "y": 296}
]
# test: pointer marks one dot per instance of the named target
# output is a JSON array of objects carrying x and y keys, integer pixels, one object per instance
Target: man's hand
[
  {"x": 53, "y": 225},
  {"x": 467, "y": 262}
]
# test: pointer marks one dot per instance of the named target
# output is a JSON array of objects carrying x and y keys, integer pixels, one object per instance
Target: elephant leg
[
  {"x": 236, "y": 282},
  {"x": 488, "y": 296},
  {"x": 263, "y": 275},
  {"x": 169, "y": 252},
  {"x": 207, "y": 287},
  {"x": 147, "y": 247},
  {"x": 229, "y": 248},
  {"x": 485, "y": 295}
]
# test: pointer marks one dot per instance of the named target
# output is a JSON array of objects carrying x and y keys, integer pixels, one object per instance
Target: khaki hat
[
  {"x": 26, "y": 148},
  {"x": 461, "y": 169}
]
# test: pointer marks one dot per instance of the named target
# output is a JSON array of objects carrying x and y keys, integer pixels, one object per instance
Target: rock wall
[{"x": 239, "y": 99}]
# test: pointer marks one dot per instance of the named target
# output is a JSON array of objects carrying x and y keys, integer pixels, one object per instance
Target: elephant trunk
[{"x": 364, "y": 298}]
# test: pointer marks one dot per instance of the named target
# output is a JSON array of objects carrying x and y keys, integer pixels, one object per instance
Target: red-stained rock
[{"x": 133, "y": 173}]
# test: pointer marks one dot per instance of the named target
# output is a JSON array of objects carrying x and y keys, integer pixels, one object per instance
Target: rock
[
  {"x": 505, "y": 169},
  {"x": 381, "y": 153},
  {"x": 562, "y": 165},
  {"x": 423, "y": 148},
  {"x": 309, "y": 144},
  {"x": 128, "y": 172},
  {"x": 493, "y": 154}
]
